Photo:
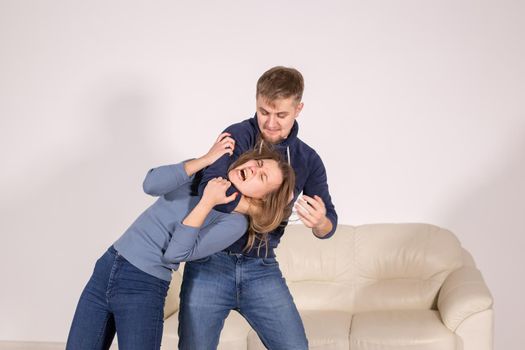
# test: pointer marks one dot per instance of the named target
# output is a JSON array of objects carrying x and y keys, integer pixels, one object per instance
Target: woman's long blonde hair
[{"x": 267, "y": 213}]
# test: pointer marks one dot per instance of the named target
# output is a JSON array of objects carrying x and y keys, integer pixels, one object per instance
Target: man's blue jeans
[
  {"x": 119, "y": 297},
  {"x": 254, "y": 287}
]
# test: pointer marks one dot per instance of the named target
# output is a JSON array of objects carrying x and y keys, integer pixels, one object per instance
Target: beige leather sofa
[{"x": 373, "y": 287}]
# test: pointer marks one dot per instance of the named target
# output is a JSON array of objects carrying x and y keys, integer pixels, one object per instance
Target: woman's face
[{"x": 256, "y": 178}]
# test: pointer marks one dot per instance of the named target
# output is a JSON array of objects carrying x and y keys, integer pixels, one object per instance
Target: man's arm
[
  {"x": 312, "y": 212},
  {"x": 243, "y": 143},
  {"x": 315, "y": 208}
]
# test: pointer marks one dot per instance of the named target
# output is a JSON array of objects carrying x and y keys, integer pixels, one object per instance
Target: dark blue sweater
[{"x": 309, "y": 169}]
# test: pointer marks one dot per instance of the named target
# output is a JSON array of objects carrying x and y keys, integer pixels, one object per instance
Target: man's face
[{"x": 276, "y": 118}]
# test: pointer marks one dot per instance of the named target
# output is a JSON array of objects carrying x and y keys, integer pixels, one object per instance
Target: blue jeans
[
  {"x": 119, "y": 298},
  {"x": 254, "y": 287}
]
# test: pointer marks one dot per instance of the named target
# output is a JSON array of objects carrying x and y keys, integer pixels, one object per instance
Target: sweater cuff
[
  {"x": 332, "y": 231},
  {"x": 180, "y": 171},
  {"x": 185, "y": 235}
]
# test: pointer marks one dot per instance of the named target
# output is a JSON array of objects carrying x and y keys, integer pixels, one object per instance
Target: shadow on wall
[
  {"x": 87, "y": 200},
  {"x": 491, "y": 224}
]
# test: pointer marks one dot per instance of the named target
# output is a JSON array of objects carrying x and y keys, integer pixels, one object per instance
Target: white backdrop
[{"x": 416, "y": 107}]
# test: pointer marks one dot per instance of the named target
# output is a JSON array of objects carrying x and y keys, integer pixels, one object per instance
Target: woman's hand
[
  {"x": 224, "y": 144},
  {"x": 215, "y": 192}
]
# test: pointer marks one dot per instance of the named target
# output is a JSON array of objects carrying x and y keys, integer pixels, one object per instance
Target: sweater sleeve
[
  {"x": 317, "y": 184},
  {"x": 165, "y": 179},
  {"x": 192, "y": 243},
  {"x": 220, "y": 167}
]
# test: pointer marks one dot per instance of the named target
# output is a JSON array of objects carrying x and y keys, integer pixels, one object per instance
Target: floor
[{"x": 5, "y": 345}]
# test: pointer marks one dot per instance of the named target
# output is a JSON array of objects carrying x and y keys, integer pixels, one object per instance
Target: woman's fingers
[
  {"x": 228, "y": 142},
  {"x": 221, "y": 181},
  {"x": 221, "y": 136},
  {"x": 224, "y": 145},
  {"x": 229, "y": 145},
  {"x": 227, "y": 139}
]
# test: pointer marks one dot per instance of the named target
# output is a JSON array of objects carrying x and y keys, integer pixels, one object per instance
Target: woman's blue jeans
[
  {"x": 119, "y": 298},
  {"x": 254, "y": 287}
]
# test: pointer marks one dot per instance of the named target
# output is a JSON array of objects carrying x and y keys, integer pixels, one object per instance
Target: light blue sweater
[{"x": 158, "y": 240}]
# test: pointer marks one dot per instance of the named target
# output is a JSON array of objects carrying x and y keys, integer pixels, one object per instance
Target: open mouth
[{"x": 243, "y": 174}]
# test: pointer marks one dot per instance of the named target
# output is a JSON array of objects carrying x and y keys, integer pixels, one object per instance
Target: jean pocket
[{"x": 269, "y": 262}]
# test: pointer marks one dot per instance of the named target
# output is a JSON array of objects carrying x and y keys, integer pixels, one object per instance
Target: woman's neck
[{"x": 243, "y": 206}]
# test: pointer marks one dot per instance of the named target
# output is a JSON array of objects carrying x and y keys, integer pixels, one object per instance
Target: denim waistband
[{"x": 252, "y": 253}]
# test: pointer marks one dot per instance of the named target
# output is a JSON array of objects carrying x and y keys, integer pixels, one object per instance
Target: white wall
[{"x": 417, "y": 108}]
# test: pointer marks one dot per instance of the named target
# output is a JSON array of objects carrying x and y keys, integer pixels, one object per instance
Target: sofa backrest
[{"x": 369, "y": 267}]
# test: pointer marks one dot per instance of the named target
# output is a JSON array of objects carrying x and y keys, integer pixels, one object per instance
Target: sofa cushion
[
  {"x": 319, "y": 272},
  {"x": 403, "y": 329},
  {"x": 368, "y": 267},
  {"x": 402, "y": 266},
  {"x": 327, "y": 330}
]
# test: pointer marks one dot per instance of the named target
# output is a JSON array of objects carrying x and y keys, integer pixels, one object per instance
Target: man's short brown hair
[{"x": 281, "y": 82}]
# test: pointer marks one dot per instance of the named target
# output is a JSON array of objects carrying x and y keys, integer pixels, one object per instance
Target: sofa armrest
[{"x": 463, "y": 294}]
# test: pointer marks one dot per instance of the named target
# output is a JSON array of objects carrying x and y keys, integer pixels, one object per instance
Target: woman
[{"x": 126, "y": 293}]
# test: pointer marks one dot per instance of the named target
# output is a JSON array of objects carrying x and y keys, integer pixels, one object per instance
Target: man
[{"x": 249, "y": 280}]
